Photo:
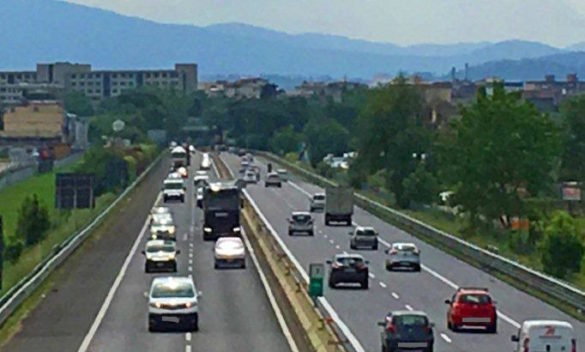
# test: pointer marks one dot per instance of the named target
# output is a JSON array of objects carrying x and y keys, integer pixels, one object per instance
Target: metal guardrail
[
  {"x": 12, "y": 299},
  {"x": 486, "y": 260},
  {"x": 344, "y": 337}
]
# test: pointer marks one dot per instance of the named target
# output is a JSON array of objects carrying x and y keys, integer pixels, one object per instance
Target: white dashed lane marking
[
  {"x": 383, "y": 285},
  {"x": 408, "y": 307},
  {"x": 446, "y": 338},
  {"x": 395, "y": 295},
  {"x": 372, "y": 275}
]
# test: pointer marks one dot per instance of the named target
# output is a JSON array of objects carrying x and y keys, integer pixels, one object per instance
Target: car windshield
[
  {"x": 301, "y": 217},
  {"x": 173, "y": 185},
  {"x": 366, "y": 233},
  {"x": 160, "y": 248},
  {"x": 229, "y": 244},
  {"x": 319, "y": 197},
  {"x": 475, "y": 299},
  {"x": 349, "y": 261},
  {"x": 405, "y": 248},
  {"x": 173, "y": 290},
  {"x": 163, "y": 222},
  {"x": 410, "y": 320}
]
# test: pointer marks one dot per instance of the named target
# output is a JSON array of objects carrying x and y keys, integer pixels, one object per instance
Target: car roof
[
  {"x": 365, "y": 228},
  {"x": 407, "y": 312},
  {"x": 159, "y": 243},
  {"x": 161, "y": 210},
  {"x": 173, "y": 180},
  {"x": 229, "y": 239},
  {"x": 319, "y": 194},
  {"x": 349, "y": 255},
  {"x": 164, "y": 221},
  {"x": 473, "y": 290},
  {"x": 536, "y": 323},
  {"x": 403, "y": 244},
  {"x": 301, "y": 213},
  {"x": 281, "y": 170},
  {"x": 161, "y": 280},
  {"x": 273, "y": 173}
]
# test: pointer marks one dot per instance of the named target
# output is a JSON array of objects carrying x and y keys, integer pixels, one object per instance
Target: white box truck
[{"x": 338, "y": 205}]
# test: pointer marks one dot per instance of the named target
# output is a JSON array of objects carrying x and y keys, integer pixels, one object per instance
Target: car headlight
[
  {"x": 237, "y": 229},
  {"x": 155, "y": 305},
  {"x": 207, "y": 229},
  {"x": 171, "y": 256},
  {"x": 171, "y": 230}
]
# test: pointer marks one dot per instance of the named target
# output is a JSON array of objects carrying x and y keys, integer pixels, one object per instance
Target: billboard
[
  {"x": 571, "y": 191},
  {"x": 74, "y": 191}
]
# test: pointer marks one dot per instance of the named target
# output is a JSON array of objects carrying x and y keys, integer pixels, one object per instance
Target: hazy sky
[{"x": 556, "y": 22}]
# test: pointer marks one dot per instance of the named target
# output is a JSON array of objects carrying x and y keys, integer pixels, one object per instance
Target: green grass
[{"x": 63, "y": 223}]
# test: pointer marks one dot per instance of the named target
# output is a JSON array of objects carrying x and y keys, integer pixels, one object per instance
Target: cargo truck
[{"x": 338, "y": 205}]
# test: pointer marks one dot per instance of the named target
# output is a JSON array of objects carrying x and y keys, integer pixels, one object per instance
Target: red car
[{"x": 472, "y": 307}]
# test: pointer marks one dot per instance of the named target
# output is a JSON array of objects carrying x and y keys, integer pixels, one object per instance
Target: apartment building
[{"x": 97, "y": 85}]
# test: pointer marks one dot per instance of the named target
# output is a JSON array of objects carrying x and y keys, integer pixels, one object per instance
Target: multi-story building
[{"x": 97, "y": 85}]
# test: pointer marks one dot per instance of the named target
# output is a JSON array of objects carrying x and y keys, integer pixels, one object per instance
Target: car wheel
[
  {"x": 165, "y": 199},
  {"x": 351, "y": 246},
  {"x": 280, "y": 185},
  {"x": 449, "y": 326},
  {"x": 195, "y": 324},
  {"x": 243, "y": 264},
  {"x": 430, "y": 349},
  {"x": 332, "y": 283},
  {"x": 311, "y": 210},
  {"x": 152, "y": 326},
  {"x": 215, "y": 265},
  {"x": 454, "y": 327},
  {"x": 375, "y": 247},
  {"x": 290, "y": 233},
  {"x": 365, "y": 284},
  {"x": 417, "y": 268},
  {"x": 389, "y": 267},
  {"x": 147, "y": 268},
  {"x": 493, "y": 328},
  {"x": 311, "y": 233}
]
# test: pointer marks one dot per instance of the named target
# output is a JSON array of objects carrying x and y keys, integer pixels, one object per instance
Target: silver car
[
  {"x": 160, "y": 255},
  {"x": 250, "y": 176},
  {"x": 230, "y": 252},
  {"x": 317, "y": 202},
  {"x": 300, "y": 222},
  {"x": 283, "y": 174},
  {"x": 403, "y": 255},
  {"x": 363, "y": 237},
  {"x": 163, "y": 229},
  {"x": 173, "y": 301}
]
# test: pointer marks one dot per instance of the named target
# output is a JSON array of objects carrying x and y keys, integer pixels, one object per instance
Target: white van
[{"x": 545, "y": 336}]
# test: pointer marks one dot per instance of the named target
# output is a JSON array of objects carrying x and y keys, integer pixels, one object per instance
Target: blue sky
[{"x": 556, "y": 22}]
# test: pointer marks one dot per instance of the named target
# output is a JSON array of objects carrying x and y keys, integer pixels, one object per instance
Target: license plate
[
  {"x": 350, "y": 270},
  {"x": 170, "y": 319},
  {"x": 476, "y": 320},
  {"x": 159, "y": 264}
]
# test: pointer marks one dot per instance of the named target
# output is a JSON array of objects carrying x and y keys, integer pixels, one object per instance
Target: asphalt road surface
[{"x": 426, "y": 291}]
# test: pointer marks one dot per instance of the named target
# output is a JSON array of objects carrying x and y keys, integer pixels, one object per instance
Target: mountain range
[{"x": 34, "y": 31}]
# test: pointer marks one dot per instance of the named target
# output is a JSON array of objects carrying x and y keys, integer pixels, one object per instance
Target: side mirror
[
  {"x": 495, "y": 302},
  {"x": 143, "y": 252},
  {"x": 178, "y": 251},
  {"x": 381, "y": 323},
  {"x": 367, "y": 261},
  {"x": 447, "y": 301},
  {"x": 328, "y": 262},
  {"x": 515, "y": 338},
  {"x": 200, "y": 294},
  {"x": 432, "y": 325},
  {"x": 350, "y": 233},
  {"x": 386, "y": 251}
]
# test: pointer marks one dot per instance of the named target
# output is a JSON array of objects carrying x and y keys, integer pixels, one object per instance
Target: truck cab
[{"x": 221, "y": 211}]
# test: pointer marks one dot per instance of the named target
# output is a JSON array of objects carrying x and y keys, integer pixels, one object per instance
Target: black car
[
  {"x": 348, "y": 268},
  {"x": 363, "y": 237},
  {"x": 407, "y": 331}
]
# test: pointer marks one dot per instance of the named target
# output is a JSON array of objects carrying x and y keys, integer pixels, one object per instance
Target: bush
[
  {"x": 291, "y": 157},
  {"x": 33, "y": 221},
  {"x": 562, "y": 250},
  {"x": 13, "y": 251}
]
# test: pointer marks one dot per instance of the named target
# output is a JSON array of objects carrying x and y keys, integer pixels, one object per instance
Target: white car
[
  {"x": 200, "y": 179},
  {"x": 250, "y": 177},
  {"x": 160, "y": 255},
  {"x": 205, "y": 162},
  {"x": 173, "y": 301},
  {"x": 403, "y": 255},
  {"x": 230, "y": 252},
  {"x": 283, "y": 174},
  {"x": 163, "y": 229},
  {"x": 183, "y": 172},
  {"x": 545, "y": 335},
  {"x": 161, "y": 217},
  {"x": 317, "y": 202},
  {"x": 173, "y": 189},
  {"x": 160, "y": 210}
]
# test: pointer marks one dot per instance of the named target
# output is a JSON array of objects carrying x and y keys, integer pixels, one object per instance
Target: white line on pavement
[
  {"x": 331, "y": 241},
  {"x": 190, "y": 261},
  {"x": 188, "y": 348},
  {"x": 383, "y": 285},
  {"x": 300, "y": 189},
  {"x": 408, "y": 307},
  {"x": 188, "y": 336},
  {"x": 337, "y": 247},
  {"x": 324, "y": 235},
  {"x": 446, "y": 338},
  {"x": 395, "y": 295},
  {"x": 190, "y": 268},
  {"x": 110, "y": 297},
  {"x": 372, "y": 275}
]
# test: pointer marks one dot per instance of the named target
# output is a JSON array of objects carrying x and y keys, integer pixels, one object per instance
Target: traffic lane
[
  {"x": 234, "y": 308},
  {"x": 513, "y": 303},
  {"x": 62, "y": 319},
  {"x": 124, "y": 327},
  {"x": 235, "y": 312},
  {"x": 360, "y": 310}
]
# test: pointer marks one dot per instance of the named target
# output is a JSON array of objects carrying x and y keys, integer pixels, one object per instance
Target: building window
[
  {"x": 81, "y": 84},
  {"x": 114, "y": 75},
  {"x": 82, "y": 75},
  {"x": 73, "y": 75},
  {"x": 73, "y": 84},
  {"x": 164, "y": 75},
  {"x": 90, "y": 83},
  {"x": 98, "y": 91},
  {"x": 122, "y": 83},
  {"x": 89, "y": 91},
  {"x": 164, "y": 83},
  {"x": 115, "y": 91},
  {"x": 155, "y": 75}
]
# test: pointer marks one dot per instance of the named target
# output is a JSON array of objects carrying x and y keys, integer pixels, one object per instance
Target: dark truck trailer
[{"x": 221, "y": 211}]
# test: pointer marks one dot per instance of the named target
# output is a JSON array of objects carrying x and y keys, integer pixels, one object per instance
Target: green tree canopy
[
  {"x": 573, "y": 157},
  {"x": 325, "y": 136},
  {"x": 501, "y": 146},
  {"x": 563, "y": 249},
  {"x": 78, "y": 103}
]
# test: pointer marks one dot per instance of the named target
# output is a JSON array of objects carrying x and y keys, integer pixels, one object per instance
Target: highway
[
  {"x": 427, "y": 290},
  {"x": 234, "y": 309}
]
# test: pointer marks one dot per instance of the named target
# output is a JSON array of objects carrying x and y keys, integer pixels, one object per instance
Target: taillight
[
  {"x": 428, "y": 329},
  {"x": 360, "y": 266},
  {"x": 390, "y": 328},
  {"x": 394, "y": 251},
  {"x": 573, "y": 345},
  {"x": 525, "y": 347},
  {"x": 336, "y": 265}
]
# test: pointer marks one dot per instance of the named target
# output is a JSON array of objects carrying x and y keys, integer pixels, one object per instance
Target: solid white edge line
[
  {"x": 271, "y": 298},
  {"x": 112, "y": 292},
  {"x": 333, "y": 314},
  {"x": 279, "y": 316},
  {"x": 448, "y": 282},
  {"x": 446, "y": 338},
  {"x": 294, "y": 185}
]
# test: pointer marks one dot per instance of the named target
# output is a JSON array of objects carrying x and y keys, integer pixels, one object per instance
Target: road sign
[
  {"x": 316, "y": 275},
  {"x": 571, "y": 191}
]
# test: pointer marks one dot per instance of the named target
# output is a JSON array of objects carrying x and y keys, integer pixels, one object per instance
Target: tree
[
  {"x": 391, "y": 131},
  {"x": 502, "y": 147},
  {"x": 285, "y": 140},
  {"x": 325, "y": 136},
  {"x": 563, "y": 249},
  {"x": 420, "y": 186},
  {"x": 33, "y": 221},
  {"x": 573, "y": 112},
  {"x": 78, "y": 103}
]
